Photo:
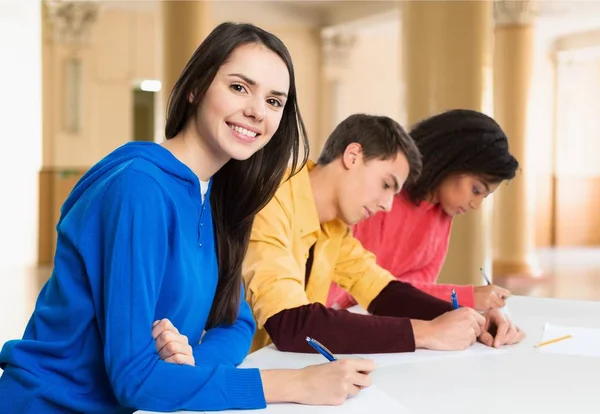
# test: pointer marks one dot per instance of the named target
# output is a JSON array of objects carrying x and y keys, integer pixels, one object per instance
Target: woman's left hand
[{"x": 171, "y": 345}]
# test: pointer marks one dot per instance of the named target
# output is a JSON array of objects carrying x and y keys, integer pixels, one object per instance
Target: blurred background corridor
[{"x": 80, "y": 78}]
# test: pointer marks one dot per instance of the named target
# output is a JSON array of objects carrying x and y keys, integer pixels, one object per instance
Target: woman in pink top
[{"x": 465, "y": 158}]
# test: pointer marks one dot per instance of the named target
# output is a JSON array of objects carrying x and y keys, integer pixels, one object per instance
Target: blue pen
[
  {"x": 320, "y": 349},
  {"x": 454, "y": 299}
]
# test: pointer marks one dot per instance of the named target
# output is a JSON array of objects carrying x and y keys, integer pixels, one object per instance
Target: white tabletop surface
[
  {"x": 518, "y": 379},
  {"x": 523, "y": 380}
]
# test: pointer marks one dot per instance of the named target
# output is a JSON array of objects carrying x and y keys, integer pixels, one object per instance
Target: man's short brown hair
[{"x": 380, "y": 138}]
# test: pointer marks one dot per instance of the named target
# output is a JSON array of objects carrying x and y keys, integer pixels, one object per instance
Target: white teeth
[{"x": 243, "y": 131}]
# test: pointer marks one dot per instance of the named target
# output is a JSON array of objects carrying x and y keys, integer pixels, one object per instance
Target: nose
[
  {"x": 256, "y": 109},
  {"x": 475, "y": 204},
  {"x": 386, "y": 202}
]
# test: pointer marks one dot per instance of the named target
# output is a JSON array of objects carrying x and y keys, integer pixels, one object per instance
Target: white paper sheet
[
  {"x": 382, "y": 360},
  {"x": 270, "y": 358},
  {"x": 477, "y": 349},
  {"x": 585, "y": 341},
  {"x": 369, "y": 400},
  {"x": 504, "y": 310}
]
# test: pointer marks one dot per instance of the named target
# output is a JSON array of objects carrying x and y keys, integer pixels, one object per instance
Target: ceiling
[
  {"x": 328, "y": 12},
  {"x": 568, "y": 8}
]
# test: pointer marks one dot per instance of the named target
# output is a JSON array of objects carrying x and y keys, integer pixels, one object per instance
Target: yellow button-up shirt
[{"x": 275, "y": 265}]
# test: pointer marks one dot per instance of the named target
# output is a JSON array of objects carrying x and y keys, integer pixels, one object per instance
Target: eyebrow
[
  {"x": 253, "y": 83},
  {"x": 486, "y": 185}
]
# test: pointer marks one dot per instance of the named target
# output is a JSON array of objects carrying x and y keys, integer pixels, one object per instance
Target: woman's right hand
[
  {"x": 332, "y": 383},
  {"x": 325, "y": 384}
]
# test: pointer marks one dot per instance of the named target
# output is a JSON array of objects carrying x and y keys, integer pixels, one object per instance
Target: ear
[
  {"x": 191, "y": 97},
  {"x": 352, "y": 155}
]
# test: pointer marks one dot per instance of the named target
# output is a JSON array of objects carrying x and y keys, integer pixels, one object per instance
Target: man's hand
[
  {"x": 499, "y": 330},
  {"x": 452, "y": 331}
]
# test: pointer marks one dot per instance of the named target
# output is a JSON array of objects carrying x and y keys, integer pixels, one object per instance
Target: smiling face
[
  {"x": 462, "y": 193},
  {"x": 243, "y": 105},
  {"x": 369, "y": 187}
]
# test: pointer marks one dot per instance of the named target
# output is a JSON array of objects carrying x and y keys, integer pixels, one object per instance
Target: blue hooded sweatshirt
[{"x": 135, "y": 244}]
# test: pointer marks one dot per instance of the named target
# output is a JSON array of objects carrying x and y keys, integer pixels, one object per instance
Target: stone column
[
  {"x": 515, "y": 202},
  {"x": 185, "y": 25},
  {"x": 447, "y": 60},
  {"x": 336, "y": 48}
]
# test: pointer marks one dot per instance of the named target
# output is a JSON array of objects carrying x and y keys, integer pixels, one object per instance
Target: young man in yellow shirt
[{"x": 301, "y": 242}]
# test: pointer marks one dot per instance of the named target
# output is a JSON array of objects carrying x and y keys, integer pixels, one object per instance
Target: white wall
[
  {"x": 372, "y": 81},
  {"x": 123, "y": 50},
  {"x": 541, "y": 122},
  {"x": 373, "y": 84},
  {"x": 578, "y": 106},
  {"x": 20, "y": 156}
]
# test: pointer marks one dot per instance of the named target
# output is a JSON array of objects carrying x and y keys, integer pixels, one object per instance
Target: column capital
[
  {"x": 336, "y": 46},
  {"x": 515, "y": 12},
  {"x": 71, "y": 21}
]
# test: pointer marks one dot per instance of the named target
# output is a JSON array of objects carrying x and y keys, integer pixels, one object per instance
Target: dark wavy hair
[
  {"x": 460, "y": 141},
  {"x": 240, "y": 189}
]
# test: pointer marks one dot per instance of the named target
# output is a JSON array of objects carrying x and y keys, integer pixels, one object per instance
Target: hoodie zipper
[
  {"x": 200, "y": 225},
  {"x": 201, "y": 219}
]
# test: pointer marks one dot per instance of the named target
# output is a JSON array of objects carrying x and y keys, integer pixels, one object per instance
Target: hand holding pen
[
  {"x": 454, "y": 330},
  {"x": 454, "y": 300},
  {"x": 320, "y": 348},
  {"x": 344, "y": 376},
  {"x": 489, "y": 296}
]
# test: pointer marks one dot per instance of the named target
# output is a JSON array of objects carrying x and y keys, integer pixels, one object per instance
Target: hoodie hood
[{"x": 120, "y": 158}]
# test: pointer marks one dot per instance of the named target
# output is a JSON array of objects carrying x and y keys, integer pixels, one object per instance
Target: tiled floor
[{"x": 567, "y": 274}]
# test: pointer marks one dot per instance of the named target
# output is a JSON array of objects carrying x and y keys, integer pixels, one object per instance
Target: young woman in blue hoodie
[{"x": 157, "y": 232}]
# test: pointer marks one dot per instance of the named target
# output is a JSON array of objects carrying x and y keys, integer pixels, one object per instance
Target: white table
[{"x": 520, "y": 380}]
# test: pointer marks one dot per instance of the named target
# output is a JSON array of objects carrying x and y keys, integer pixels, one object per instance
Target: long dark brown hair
[{"x": 240, "y": 189}]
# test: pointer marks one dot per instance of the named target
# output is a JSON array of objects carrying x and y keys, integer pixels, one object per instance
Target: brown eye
[
  {"x": 238, "y": 88},
  {"x": 274, "y": 102}
]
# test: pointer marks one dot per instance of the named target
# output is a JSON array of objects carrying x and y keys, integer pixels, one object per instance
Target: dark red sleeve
[
  {"x": 340, "y": 331},
  {"x": 404, "y": 300}
]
